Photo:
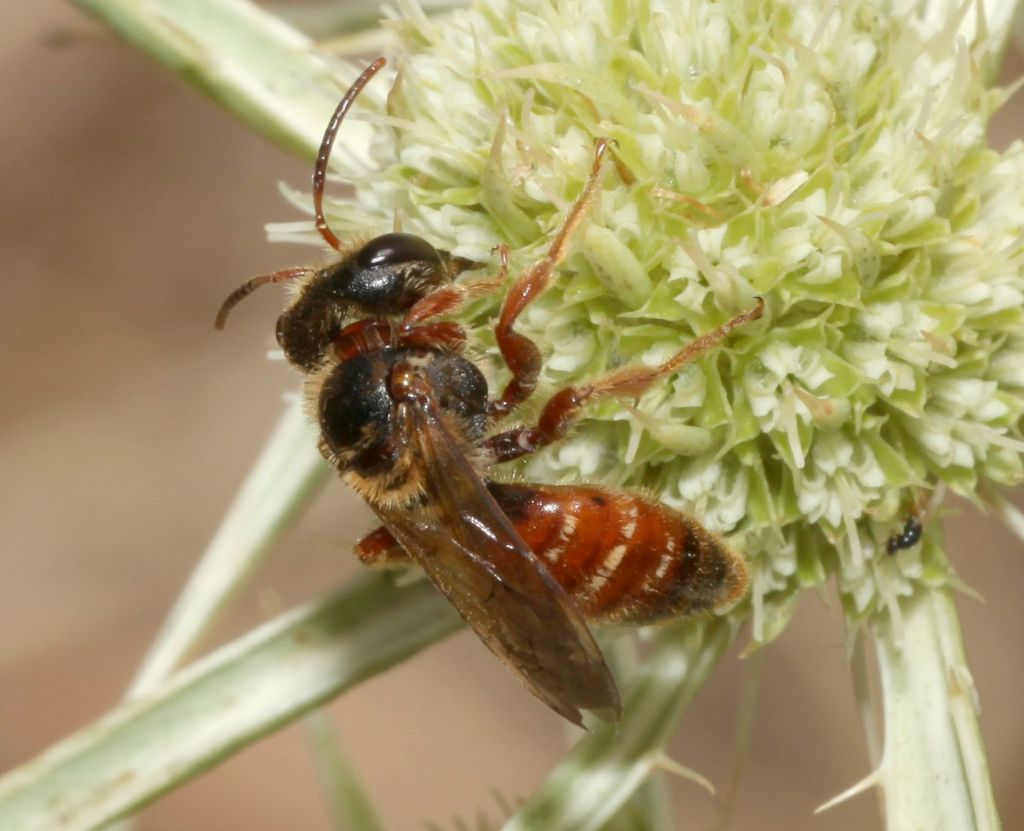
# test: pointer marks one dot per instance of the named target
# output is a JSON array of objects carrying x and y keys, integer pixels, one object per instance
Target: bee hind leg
[{"x": 379, "y": 549}]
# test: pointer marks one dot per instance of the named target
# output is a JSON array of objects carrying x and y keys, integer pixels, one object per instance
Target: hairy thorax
[{"x": 363, "y": 432}]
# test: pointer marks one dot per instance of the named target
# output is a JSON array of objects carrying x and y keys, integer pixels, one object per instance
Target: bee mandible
[{"x": 407, "y": 420}]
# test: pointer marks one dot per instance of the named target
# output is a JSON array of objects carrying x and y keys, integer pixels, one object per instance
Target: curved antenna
[
  {"x": 249, "y": 286},
  {"x": 320, "y": 169}
]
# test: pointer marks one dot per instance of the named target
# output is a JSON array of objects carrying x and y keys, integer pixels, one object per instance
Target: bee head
[{"x": 384, "y": 278}]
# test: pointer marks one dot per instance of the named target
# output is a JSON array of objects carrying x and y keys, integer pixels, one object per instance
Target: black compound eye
[{"x": 391, "y": 249}]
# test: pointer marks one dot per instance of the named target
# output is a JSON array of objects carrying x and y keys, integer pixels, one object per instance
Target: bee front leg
[
  {"x": 520, "y": 353},
  {"x": 449, "y": 298}
]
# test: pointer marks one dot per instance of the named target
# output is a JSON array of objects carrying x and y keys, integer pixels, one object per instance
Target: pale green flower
[
  {"x": 829, "y": 157},
  {"x": 840, "y": 155}
]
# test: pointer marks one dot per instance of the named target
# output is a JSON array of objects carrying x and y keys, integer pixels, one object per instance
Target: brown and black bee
[{"x": 409, "y": 422}]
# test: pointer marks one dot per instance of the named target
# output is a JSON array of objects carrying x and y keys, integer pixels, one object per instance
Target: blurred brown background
[{"x": 130, "y": 206}]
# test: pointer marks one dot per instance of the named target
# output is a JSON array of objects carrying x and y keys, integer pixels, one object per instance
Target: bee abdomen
[{"x": 623, "y": 557}]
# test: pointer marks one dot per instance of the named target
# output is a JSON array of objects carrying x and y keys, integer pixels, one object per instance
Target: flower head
[{"x": 830, "y": 158}]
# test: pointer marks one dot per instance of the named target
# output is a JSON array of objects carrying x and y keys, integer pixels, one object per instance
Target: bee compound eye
[{"x": 391, "y": 249}]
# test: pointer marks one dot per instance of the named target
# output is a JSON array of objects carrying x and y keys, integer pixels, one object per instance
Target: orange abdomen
[{"x": 621, "y": 556}]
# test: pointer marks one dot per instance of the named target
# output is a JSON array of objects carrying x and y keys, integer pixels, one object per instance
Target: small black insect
[{"x": 908, "y": 537}]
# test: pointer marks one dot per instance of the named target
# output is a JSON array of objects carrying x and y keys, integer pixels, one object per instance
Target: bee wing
[{"x": 473, "y": 554}]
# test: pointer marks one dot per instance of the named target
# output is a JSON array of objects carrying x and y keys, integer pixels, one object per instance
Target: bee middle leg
[{"x": 564, "y": 407}]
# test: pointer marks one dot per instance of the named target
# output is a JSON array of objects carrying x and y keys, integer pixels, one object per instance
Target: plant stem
[
  {"x": 608, "y": 765},
  {"x": 933, "y": 772},
  {"x": 349, "y": 803},
  {"x": 282, "y": 481},
  {"x": 257, "y": 66},
  {"x": 223, "y": 702}
]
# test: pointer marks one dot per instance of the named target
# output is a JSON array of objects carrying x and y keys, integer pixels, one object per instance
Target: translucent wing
[{"x": 473, "y": 554}]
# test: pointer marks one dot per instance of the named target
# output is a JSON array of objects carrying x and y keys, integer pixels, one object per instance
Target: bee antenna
[
  {"x": 322, "y": 157},
  {"x": 249, "y": 286}
]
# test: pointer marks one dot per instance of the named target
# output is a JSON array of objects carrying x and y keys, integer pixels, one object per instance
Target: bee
[{"x": 408, "y": 421}]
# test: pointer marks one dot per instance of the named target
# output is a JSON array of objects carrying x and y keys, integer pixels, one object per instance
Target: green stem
[
  {"x": 288, "y": 473},
  {"x": 223, "y": 703},
  {"x": 261, "y": 69},
  {"x": 650, "y": 807},
  {"x": 933, "y": 772},
  {"x": 349, "y": 803},
  {"x": 611, "y": 763},
  {"x": 336, "y": 19}
]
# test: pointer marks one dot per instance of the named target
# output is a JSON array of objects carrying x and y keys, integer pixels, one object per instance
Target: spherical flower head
[{"x": 828, "y": 157}]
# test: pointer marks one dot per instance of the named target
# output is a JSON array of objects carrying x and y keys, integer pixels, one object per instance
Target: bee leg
[
  {"x": 450, "y": 297},
  {"x": 378, "y": 548},
  {"x": 565, "y": 406},
  {"x": 520, "y": 353}
]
